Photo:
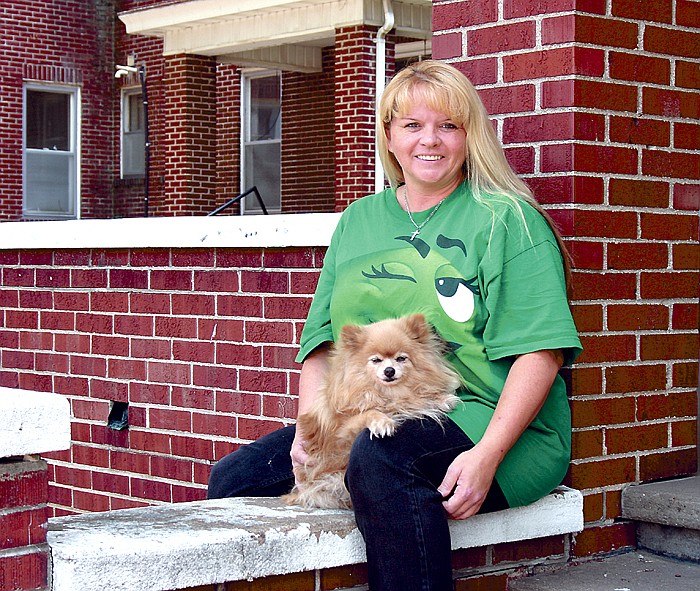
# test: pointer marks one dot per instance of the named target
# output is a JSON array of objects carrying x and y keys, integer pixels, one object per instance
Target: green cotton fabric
[{"x": 490, "y": 279}]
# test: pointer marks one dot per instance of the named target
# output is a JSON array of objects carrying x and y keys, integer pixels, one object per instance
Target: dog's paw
[
  {"x": 382, "y": 427},
  {"x": 449, "y": 403}
]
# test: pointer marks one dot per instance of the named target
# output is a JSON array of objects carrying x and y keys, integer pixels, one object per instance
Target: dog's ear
[
  {"x": 351, "y": 335},
  {"x": 417, "y": 327}
]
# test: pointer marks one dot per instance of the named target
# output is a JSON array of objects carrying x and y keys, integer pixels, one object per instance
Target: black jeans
[{"x": 393, "y": 484}]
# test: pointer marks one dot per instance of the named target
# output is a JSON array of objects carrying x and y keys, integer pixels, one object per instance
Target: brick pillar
[
  {"x": 354, "y": 113},
  {"x": 597, "y": 105},
  {"x": 308, "y": 139},
  {"x": 228, "y": 123},
  {"x": 190, "y": 142},
  {"x": 24, "y": 555},
  {"x": 33, "y": 423}
]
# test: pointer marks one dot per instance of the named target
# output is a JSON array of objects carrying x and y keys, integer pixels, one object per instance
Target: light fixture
[{"x": 125, "y": 70}]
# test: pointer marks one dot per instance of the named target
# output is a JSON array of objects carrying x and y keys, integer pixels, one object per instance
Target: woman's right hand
[{"x": 298, "y": 451}]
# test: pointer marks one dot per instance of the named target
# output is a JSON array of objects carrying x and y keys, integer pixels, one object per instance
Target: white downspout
[{"x": 380, "y": 79}]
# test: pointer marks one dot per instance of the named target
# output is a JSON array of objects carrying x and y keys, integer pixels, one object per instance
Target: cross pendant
[{"x": 415, "y": 233}]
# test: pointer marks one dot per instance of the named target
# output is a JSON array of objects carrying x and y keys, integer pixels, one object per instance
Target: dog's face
[
  {"x": 387, "y": 349},
  {"x": 388, "y": 368}
]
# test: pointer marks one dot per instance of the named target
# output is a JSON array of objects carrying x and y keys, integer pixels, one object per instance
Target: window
[
  {"x": 261, "y": 139},
  {"x": 50, "y": 163},
  {"x": 133, "y": 134}
]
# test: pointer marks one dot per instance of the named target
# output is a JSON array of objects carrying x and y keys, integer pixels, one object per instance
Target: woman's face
[{"x": 430, "y": 149}]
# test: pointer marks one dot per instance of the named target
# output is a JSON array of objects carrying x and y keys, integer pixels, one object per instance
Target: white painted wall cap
[{"x": 33, "y": 422}]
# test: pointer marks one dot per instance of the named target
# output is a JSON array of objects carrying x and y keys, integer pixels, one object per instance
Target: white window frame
[
  {"x": 125, "y": 114},
  {"x": 73, "y": 153},
  {"x": 249, "y": 204}
]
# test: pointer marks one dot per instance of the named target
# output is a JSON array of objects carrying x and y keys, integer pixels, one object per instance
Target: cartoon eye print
[
  {"x": 456, "y": 296},
  {"x": 383, "y": 273}
]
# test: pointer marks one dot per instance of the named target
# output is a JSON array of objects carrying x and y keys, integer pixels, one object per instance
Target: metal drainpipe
[
  {"x": 147, "y": 140},
  {"x": 380, "y": 79}
]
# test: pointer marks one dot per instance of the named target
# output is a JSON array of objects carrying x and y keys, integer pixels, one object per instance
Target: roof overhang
[{"x": 284, "y": 34}]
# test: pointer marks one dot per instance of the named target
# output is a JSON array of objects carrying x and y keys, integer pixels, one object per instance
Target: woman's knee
[
  {"x": 375, "y": 464},
  {"x": 262, "y": 468},
  {"x": 419, "y": 451},
  {"x": 220, "y": 477},
  {"x": 381, "y": 453}
]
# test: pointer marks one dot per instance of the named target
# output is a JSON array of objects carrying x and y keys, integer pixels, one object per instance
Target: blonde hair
[{"x": 445, "y": 89}]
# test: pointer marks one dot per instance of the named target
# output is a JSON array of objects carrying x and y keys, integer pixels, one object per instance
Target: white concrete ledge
[
  {"x": 32, "y": 422},
  {"x": 259, "y": 231},
  {"x": 207, "y": 542}
]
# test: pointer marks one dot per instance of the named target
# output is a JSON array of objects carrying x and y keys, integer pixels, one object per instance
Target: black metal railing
[{"x": 237, "y": 198}]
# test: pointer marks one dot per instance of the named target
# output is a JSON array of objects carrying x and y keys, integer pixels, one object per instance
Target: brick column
[
  {"x": 228, "y": 145},
  {"x": 190, "y": 143},
  {"x": 24, "y": 555},
  {"x": 33, "y": 422},
  {"x": 308, "y": 139},
  {"x": 354, "y": 113},
  {"x": 597, "y": 105}
]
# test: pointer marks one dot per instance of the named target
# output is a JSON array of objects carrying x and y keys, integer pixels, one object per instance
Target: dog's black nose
[{"x": 389, "y": 372}]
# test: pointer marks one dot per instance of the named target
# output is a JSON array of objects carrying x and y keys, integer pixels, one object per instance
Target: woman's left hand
[{"x": 466, "y": 483}]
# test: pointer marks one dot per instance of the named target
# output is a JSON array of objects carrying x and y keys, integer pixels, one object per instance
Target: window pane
[
  {"x": 265, "y": 108},
  {"x": 134, "y": 155},
  {"x": 48, "y": 120},
  {"x": 134, "y": 120},
  {"x": 51, "y": 183},
  {"x": 263, "y": 171}
]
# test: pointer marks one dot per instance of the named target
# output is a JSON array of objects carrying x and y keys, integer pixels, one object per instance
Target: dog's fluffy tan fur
[{"x": 378, "y": 376}]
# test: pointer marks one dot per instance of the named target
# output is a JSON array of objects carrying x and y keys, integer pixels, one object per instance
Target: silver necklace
[{"x": 410, "y": 215}]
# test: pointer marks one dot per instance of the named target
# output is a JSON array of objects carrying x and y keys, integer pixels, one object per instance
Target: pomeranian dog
[{"x": 378, "y": 376}]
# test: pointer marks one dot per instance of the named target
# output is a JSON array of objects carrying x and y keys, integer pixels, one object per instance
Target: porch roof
[{"x": 285, "y": 34}]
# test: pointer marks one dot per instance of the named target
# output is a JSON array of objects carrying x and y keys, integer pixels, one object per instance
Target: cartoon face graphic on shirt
[{"x": 417, "y": 277}]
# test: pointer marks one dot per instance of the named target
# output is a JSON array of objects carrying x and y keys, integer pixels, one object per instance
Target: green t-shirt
[{"x": 492, "y": 286}]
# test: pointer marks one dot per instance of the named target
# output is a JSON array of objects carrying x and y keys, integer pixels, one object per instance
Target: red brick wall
[
  {"x": 23, "y": 515},
  {"x": 200, "y": 343},
  {"x": 598, "y": 110}
]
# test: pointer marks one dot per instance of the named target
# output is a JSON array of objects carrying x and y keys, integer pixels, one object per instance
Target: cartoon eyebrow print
[
  {"x": 384, "y": 274},
  {"x": 444, "y": 242},
  {"x": 420, "y": 245}
]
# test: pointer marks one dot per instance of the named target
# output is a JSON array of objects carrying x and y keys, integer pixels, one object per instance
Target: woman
[{"x": 459, "y": 238}]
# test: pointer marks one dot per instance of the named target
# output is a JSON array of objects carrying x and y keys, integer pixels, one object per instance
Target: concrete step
[
  {"x": 667, "y": 515},
  {"x": 633, "y": 571}
]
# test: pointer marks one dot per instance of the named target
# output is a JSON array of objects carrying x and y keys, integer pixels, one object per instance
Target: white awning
[{"x": 285, "y": 34}]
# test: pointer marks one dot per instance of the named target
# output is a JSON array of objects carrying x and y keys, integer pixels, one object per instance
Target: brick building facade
[
  {"x": 194, "y": 112},
  {"x": 597, "y": 102}
]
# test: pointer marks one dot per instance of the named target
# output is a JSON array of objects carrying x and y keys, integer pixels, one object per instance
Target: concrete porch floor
[
  {"x": 667, "y": 516},
  {"x": 639, "y": 570}
]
